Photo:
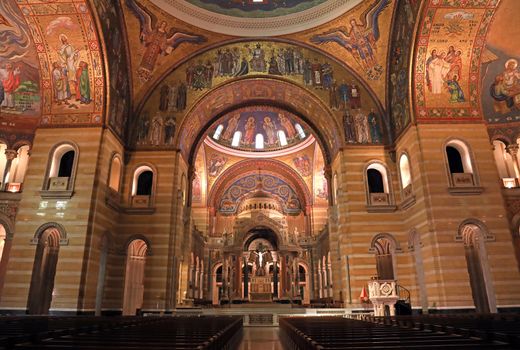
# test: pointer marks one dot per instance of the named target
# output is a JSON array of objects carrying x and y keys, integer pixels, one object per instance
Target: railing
[{"x": 403, "y": 293}]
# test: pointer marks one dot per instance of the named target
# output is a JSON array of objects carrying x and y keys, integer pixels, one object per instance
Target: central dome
[
  {"x": 258, "y": 129},
  {"x": 256, "y": 18},
  {"x": 256, "y": 8}
]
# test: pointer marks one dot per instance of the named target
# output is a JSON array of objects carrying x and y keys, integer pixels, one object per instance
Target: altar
[{"x": 261, "y": 289}]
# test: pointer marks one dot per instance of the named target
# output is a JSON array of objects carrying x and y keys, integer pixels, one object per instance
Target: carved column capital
[
  {"x": 512, "y": 149},
  {"x": 11, "y": 154}
]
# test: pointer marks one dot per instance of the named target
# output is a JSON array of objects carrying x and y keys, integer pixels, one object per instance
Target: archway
[
  {"x": 262, "y": 255},
  {"x": 482, "y": 291},
  {"x": 216, "y": 279},
  {"x": 44, "y": 272},
  {"x": 134, "y": 276},
  {"x": 304, "y": 283},
  {"x": 384, "y": 246}
]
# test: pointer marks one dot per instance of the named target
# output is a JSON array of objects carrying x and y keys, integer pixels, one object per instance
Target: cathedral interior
[{"x": 158, "y": 155}]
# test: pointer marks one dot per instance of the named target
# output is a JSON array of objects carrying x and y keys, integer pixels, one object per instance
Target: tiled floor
[{"x": 260, "y": 338}]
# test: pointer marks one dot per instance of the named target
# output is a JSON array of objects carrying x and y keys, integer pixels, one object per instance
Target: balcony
[
  {"x": 57, "y": 188},
  {"x": 464, "y": 184},
  {"x": 380, "y": 202}
]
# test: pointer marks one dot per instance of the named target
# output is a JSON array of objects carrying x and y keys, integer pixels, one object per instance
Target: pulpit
[
  {"x": 383, "y": 293},
  {"x": 260, "y": 289}
]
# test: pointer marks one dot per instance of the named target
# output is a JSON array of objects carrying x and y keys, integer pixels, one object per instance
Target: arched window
[
  {"x": 61, "y": 170},
  {"x": 282, "y": 138},
  {"x": 375, "y": 181},
  {"x": 459, "y": 164},
  {"x": 143, "y": 186},
  {"x": 236, "y": 139},
  {"x": 218, "y": 132},
  {"x": 505, "y": 164},
  {"x": 404, "y": 169},
  {"x": 114, "y": 180},
  {"x": 144, "y": 183},
  {"x": 377, "y": 185},
  {"x": 454, "y": 160},
  {"x": 259, "y": 141},
  {"x": 300, "y": 130}
]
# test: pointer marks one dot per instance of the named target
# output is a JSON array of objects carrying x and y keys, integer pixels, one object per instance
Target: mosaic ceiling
[
  {"x": 256, "y": 18},
  {"x": 86, "y": 63},
  {"x": 258, "y": 129},
  {"x": 256, "y": 8}
]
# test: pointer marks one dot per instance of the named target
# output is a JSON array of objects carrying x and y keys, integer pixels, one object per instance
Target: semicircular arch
[
  {"x": 262, "y": 90},
  {"x": 248, "y": 167}
]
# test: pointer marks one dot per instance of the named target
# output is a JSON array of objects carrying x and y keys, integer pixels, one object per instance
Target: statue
[{"x": 260, "y": 256}]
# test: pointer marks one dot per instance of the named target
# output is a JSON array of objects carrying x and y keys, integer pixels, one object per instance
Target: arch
[
  {"x": 375, "y": 181},
  {"x": 218, "y": 132},
  {"x": 136, "y": 252},
  {"x": 388, "y": 236},
  {"x": 304, "y": 287},
  {"x": 54, "y": 164},
  {"x": 248, "y": 225},
  {"x": 216, "y": 285},
  {"x": 8, "y": 225},
  {"x": 138, "y": 170},
  {"x": 415, "y": 247},
  {"x": 504, "y": 163},
  {"x": 273, "y": 91},
  {"x": 259, "y": 141},
  {"x": 63, "y": 240},
  {"x": 193, "y": 56},
  {"x": 414, "y": 240},
  {"x": 381, "y": 168},
  {"x": 473, "y": 233},
  {"x": 115, "y": 172},
  {"x": 282, "y": 138},
  {"x": 105, "y": 245},
  {"x": 16, "y": 174},
  {"x": 245, "y": 167},
  {"x": 385, "y": 246},
  {"x": 138, "y": 237},
  {"x": 262, "y": 232},
  {"x": 454, "y": 149},
  {"x": 405, "y": 171},
  {"x": 237, "y": 136},
  {"x": 17, "y": 145},
  {"x": 44, "y": 269}
]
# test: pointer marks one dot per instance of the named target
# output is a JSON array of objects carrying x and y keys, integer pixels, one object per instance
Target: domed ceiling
[
  {"x": 258, "y": 129},
  {"x": 256, "y": 17},
  {"x": 256, "y": 8}
]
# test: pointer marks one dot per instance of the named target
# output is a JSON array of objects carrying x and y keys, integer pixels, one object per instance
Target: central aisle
[{"x": 261, "y": 338}]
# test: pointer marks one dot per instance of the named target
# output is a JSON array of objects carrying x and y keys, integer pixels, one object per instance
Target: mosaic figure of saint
[{"x": 156, "y": 38}]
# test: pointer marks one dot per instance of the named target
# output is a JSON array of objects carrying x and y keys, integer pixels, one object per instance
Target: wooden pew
[
  {"x": 342, "y": 333},
  {"x": 120, "y": 332}
]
